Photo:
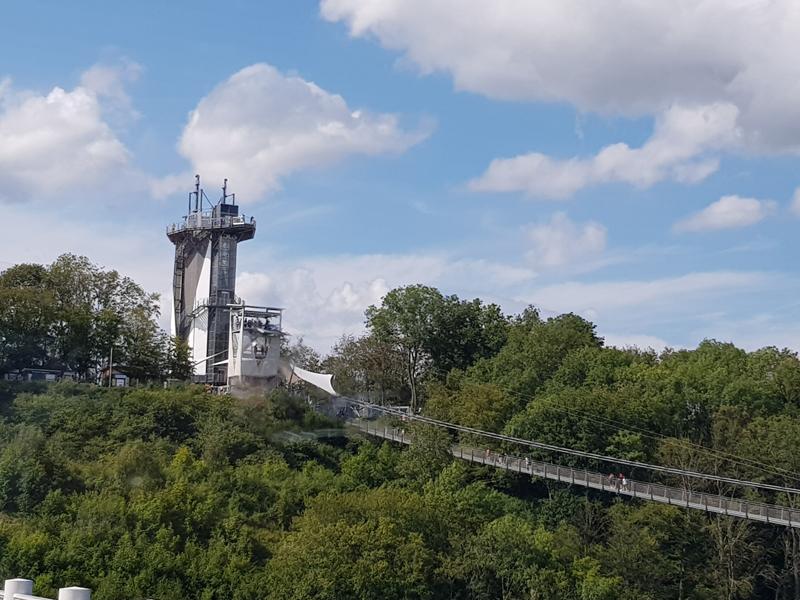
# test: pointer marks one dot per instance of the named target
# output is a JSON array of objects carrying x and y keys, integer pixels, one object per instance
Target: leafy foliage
[
  {"x": 145, "y": 493},
  {"x": 68, "y": 316}
]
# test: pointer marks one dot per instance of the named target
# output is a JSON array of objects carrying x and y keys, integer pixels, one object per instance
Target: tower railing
[
  {"x": 203, "y": 303},
  {"x": 206, "y": 221}
]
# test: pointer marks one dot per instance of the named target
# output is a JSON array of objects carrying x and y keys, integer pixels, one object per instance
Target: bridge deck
[{"x": 655, "y": 492}]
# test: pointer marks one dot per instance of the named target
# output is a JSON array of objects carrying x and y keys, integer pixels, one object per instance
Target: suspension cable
[
  {"x": 570, "y": 451},
  {"x": 620, "y": 426}
]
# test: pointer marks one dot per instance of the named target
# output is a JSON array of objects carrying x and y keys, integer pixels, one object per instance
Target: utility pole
[{"x": 110, "y": 364}]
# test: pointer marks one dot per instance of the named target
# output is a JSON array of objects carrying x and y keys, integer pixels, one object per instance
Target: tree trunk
[
  {"x": 412, "y": 379},
  {"x": 734, "y": 556}
]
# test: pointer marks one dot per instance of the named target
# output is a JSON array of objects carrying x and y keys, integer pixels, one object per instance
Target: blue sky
[{"x": 621, "y": 161}]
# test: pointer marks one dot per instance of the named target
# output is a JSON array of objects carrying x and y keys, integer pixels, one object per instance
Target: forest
[{"x": 174, "y": 493}]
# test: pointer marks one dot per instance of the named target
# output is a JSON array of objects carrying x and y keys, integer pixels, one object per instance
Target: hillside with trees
[
  {"x": 68, "y": 316},
  {"x": 177, "y": 494}
]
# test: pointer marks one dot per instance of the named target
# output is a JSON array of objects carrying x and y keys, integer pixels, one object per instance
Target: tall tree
[
  {"x": 300, "y": 354},
  {"x": 179, "y": 359},
  {"x": 144, "y": 346},
  {"x": 406, "y": 319},
  {"x": 463, "y": 332},
  {"x": 26, "y": 316},
  {"x": 70, "y": 314},
  {"x": 535, "y": 350},
  {"x": 367, "y": 366}
]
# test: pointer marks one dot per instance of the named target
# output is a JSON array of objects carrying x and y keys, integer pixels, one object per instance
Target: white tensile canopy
[{"x": 321, "y": 380}]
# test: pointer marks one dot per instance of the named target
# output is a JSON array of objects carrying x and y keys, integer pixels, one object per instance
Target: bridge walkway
[{"x": 653, "y": 492}]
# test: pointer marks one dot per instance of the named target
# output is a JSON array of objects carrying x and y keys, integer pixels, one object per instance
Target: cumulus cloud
[
  {"x": 626, "y": 57},
  {"x": 122, "y": 244},
  {"x": 261, "y": 125},
  {"x": 635, "y": 340},
  {"x": 110, "y": 81},
  {"x": 327, "y": 296},
  {"x": 561, "y": 241},
  {"x": 678, "y": 150},
  {"x": 729, "y": 212},
  {"x": 57, "y": 141}
]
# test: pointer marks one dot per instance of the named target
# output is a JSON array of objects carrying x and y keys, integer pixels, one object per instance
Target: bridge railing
[
  {"x": 737, "y": 507},
  {"x": 22, "y": 589}
]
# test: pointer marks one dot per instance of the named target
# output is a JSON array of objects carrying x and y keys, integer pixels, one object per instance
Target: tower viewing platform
[
  {"x": 238, "y": 225},
  {"x": 205, "y": 217}
]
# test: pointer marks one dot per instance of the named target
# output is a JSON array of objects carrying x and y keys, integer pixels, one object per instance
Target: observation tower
[{"x": 204, "y": 279}]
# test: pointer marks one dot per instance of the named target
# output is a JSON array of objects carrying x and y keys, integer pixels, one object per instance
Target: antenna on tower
[
  {"x": 225, "y": 194},
  {"x": 196, "y": 193}
]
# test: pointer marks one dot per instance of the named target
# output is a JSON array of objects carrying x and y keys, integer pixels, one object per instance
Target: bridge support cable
[
  {"x": 653, "y": 492},
  {"x": 621, "y": 426},
  {"x": 573, "y": 452}
]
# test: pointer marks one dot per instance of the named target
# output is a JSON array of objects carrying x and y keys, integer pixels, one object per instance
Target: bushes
[{"x": 177, "y": 494}]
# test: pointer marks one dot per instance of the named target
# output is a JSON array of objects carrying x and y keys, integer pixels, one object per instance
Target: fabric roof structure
[{"x": 323, "y": 381}]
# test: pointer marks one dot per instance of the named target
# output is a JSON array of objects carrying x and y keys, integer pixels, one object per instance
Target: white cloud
[
  {"x": 109, "y": 81},
  {"x": 607, "y": 297},
  {"x": 635, "y": 340},
  {"x": 729, "y": 212},
  {"x": 561, "y": 242},
  {"x": 757, "y": 331},
  {"x": 627, "y": 57},
  {"x": 121, "y": 244},
  {"x": 162, "y": 187},
  {"x": 678, "y": 150},
  {"x": 59, "y": 141},
  {"x": 795, "y": 206},
  {"x": 327, "y": 296},
  {"x": 261, "y": 125}
]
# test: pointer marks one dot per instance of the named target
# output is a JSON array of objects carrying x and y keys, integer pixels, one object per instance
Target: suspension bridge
[{"x": 719, "y": 503}]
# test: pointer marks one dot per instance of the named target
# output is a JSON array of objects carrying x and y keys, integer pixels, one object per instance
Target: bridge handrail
[
  {"x": 573, "y": 452},
  {"x": 752, "y": 510}
]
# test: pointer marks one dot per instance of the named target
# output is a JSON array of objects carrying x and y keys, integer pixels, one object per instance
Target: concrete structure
[
  {"x": 254, "y": 347},
  {"x": 204, "y": 278},
  {"x": 233, "y": 345}
]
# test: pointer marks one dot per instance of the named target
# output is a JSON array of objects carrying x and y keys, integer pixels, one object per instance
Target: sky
[{"x": 636, "y": 163}]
